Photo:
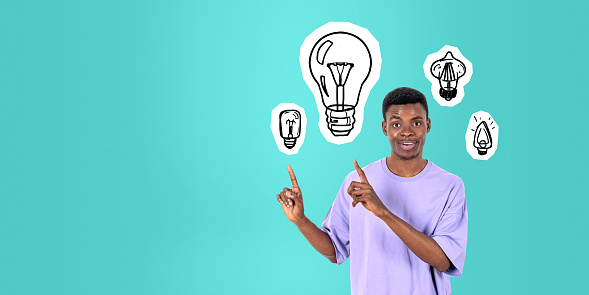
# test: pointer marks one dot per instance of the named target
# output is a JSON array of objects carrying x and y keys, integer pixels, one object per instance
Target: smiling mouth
[{"x": 407, "y": 145}]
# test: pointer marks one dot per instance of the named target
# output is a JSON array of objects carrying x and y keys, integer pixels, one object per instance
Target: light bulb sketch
[
  {"x": 288, "y": 124},
  {"x": 481, "y": 136},
  {"x": 341, "y": 64},
  {"x": 290, "y": 127},
  {"x": 332, "y": 77},
  {"x": 448, "y": 71}
]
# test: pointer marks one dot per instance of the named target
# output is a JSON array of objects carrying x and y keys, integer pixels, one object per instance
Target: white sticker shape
[
  {"x": 448, "y": 71},
  {"x": 340, "y": 63},
  {"x": 482, "y": 136},
  {"x": 289, "y": 125}
]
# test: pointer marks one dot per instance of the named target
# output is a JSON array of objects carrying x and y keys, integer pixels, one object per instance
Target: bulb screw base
[
  {"x": 482, "y": 151},
  {"x": 340, "y": 119},
  {"x": 289, "y": 143},
  {"x": 448, "y": 94}
]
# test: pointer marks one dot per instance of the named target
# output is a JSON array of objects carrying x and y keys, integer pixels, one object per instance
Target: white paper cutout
[
  {"x": 449, "y": 71},
  {"x": 340, "y": 64},
  {"x": 482, "y": 136},
  {"x": 289, "y": 126}
]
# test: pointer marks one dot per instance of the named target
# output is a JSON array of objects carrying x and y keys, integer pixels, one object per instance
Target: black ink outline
[
  {"x": 289, "y": 142},
  {"x": 340, "y": 118},
  {"x": 447, "y": 75},
  {"x": 481, "y": 145}
]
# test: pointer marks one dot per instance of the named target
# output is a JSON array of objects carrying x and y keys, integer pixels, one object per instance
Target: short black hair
[{"x": 403, "y": 95}]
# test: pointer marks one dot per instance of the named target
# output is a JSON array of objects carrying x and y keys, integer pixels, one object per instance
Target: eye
[
  {"x": 396, "y": 125},
  {"x": 417, "y": 124}
]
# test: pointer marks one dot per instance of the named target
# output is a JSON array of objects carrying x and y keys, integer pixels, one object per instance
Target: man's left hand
[{"x": 362, "y": 192}]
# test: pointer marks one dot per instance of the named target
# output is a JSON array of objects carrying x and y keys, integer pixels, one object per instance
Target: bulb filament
[{"x": 340, "y": 72}]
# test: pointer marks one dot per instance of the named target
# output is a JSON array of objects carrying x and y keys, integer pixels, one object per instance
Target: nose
[{"x": 407, "y": 131}]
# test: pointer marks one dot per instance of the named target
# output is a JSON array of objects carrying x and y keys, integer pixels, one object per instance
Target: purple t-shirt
[{"x": 433, "y": 202}]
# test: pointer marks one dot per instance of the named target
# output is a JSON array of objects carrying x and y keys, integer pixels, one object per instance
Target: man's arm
[
  {"x": 292, "y": 205},
  {"x": 424, "y": 247},
  {"x": 317, "y": 238}
]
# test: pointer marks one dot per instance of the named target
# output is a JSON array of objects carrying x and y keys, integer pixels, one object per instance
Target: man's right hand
[
  {"x": 292, "y": 205},
  {"x": 292, "y": 199}
]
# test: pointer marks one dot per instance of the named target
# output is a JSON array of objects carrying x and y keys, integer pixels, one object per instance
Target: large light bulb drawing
[
  {"x": 288, "y": 124},
  {"x": 340, "y": 64},
  {"x": 482, "y": 136},
  {"x": 290, "y": 127},
  {"x": 448, "y": 71}
]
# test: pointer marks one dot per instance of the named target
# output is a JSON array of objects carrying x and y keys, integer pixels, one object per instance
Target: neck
[{"x": 406, "y": 168}]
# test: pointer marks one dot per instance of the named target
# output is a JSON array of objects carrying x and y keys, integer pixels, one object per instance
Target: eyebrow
[{"x": 399, "y": 118}]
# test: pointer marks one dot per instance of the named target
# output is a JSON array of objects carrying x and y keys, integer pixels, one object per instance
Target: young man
[{"x": 402, "y": 220}]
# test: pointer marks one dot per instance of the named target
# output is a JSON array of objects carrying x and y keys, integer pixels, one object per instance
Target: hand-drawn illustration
[
  {"x": 340, "y": 64},
  {"x": 290, "y": 127},
  {"x": 481, "y": 136},
  {"x": 448, "y": 71},
  {"x": 288, "y": 124}
]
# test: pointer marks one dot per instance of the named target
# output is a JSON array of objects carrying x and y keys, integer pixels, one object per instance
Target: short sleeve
[
  {"x": 336, "y": 225},
  {"x": 452, "y": 230}
]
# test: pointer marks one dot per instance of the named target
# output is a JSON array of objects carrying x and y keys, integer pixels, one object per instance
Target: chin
[{"x": 406, "y": 157}]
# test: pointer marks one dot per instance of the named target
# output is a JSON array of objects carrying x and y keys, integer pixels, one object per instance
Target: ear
[
  {"x": 429, "y": 125},
  {"x": 384, "y": 128}
]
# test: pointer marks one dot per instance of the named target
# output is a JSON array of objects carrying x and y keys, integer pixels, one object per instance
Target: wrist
[
  {"x": 299, "y": 222},
  {"x": 384, "y": 214}
]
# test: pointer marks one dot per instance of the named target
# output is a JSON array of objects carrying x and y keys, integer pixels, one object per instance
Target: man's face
[{"x": 406, "y": 126}]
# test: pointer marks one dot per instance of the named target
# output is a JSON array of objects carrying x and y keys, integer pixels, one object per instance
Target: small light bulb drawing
[
  {"x": 448, "y": 70},
  {"x": 482, "y": 136},
  {"x": 288, "y": 123},
  {"x": 340, "y": 64},
  {"x": 290, "y": 127}
]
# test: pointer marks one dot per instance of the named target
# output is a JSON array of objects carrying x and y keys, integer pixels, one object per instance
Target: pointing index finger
[
  {"x": 293, "y": 178},
  {"x": 360, "y": 172}
]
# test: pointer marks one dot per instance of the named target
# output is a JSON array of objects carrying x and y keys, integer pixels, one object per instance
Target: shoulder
[
  {"x": 447, "y": 182},
  {"x": 450, "y": 186},
  {"x": 437, "y": 172}
]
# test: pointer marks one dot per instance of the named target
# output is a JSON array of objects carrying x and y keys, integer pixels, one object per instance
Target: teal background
[{"x": 136, "y": 155}]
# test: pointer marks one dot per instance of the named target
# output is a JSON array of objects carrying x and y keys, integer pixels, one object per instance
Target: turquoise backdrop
[{"x": 136, "y": 155}]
